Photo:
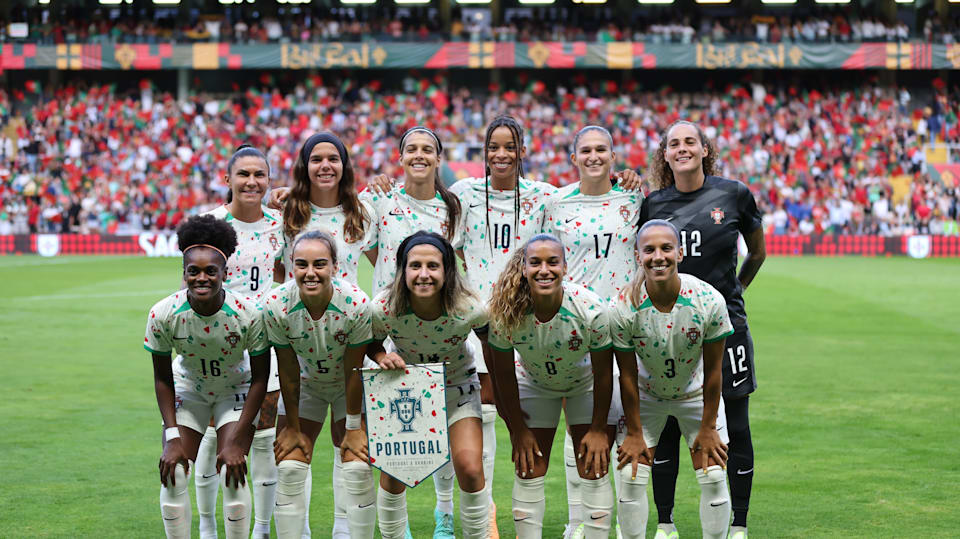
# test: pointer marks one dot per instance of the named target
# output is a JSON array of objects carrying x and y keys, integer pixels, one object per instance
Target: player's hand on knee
[
  {"x": 525, "y": 447},
  {"x": 629, "y": 180},
  {"x": 381, "y": 183},
  {"x": 173, "y": 456},
  {"x": 355, "y": 443},
  {"x": 593, "y": 451},
  {"x": 392, "y": 361},
  {"x": 288, "y": 441},
  {"x": 633, "y": 451},
  {"x": 278, "y": 196},
  {"x": 234, "y": 453},
  {"x": 709, "y": 450}
]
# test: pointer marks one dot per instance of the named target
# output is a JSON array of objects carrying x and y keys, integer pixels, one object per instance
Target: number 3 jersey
[
  {"x": 259, "y": 245},
  {"x": 599, "y": 234},
  {"x": 487, "y": 250},
  {"x": 432, "y": 341},
  {"x": 709, "y": 220},
  {"x": 210, "y": 349},
  {"x": 319, "y": 344},
  {"x": 669, "y": 346},
  {"x": 554, "y": 354}
]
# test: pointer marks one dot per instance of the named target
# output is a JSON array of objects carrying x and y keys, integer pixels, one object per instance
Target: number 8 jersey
[{"x": 259, "y": 245}]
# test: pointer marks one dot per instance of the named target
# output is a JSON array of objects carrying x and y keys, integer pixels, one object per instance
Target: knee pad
[
  {"x": 633, "y": 504},
  {"x": 392, "y": 513},
  {"x": 597, "y": 505},
  {"x": 475, "y": 514},
  {"x": 443, "y": 487},
  {"x": 529, "y": 504},
  {"x": 339, "y": 512},
  {"x": 358, "y": 479},
  {"x": 291, "y": 498},
  {"x": 175, "y": 505},
  {"x": 359, "y": 498},
  {"x": 714, "y": 502},
  {"x": 489, "y": 413},
  {"x": 236, "y": 508}
]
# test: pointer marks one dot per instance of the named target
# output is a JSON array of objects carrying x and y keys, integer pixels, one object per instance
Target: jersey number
[
  {"x": 214, "y": 367},
  {"x": 551, "y": 367},
  {"x": 254, "y": 278},
  {"x": 241, "y": 399},
  {"x": 501, "y": 236},
  {"x": 429, "y": 358},
  {"x": 671, "y": 368},
  {"x": 694, "y": 243},
  {"x": 320, "y": 368},
  {"x": 737, "y": 362},
  {"x": 597, "y": 241}
]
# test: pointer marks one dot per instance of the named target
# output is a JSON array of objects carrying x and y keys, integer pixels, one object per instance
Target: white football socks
[
  {"x": 574, "y": 499},
  {"x": 308, "y": 491},
  {"x": 291, "y": 498},
  {"x": 392, "y": 514},
  {"x": 597, "y": 507},
  {"x": 341, "y": 529},
  {"x": 360, "y": 497},
  {"x": 207, "y": 484},
  {"x": 443, "y": 486},
  {"x": 633, "y": 506},
  {"x": 529, "y": 504},
  {"x": 236, "y": 508},
  {"x": 475, "y": 514},
  {"x": 263, "y": 475},
  {"x": 489, "y": 426},
  {"x": 175, "y": 505},
  {"x": 714, "y": 502}
]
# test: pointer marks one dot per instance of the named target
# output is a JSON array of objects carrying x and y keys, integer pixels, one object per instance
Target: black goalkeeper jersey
[{"x": 708, "y": 220}]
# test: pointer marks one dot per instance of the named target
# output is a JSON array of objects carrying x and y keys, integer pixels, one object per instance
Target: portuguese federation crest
[
  {"x": 406, "y": 409},
  {"x": 717, "y": 215},
  {"x": 233, "y": 338},
  {"x": 693, "y": 334}
]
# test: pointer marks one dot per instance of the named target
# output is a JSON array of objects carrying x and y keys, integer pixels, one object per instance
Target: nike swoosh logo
[
  {"x": 638, "y": 336},
  {"x": 205, "y": 476},
  {"x": 744, "y": 472},
  {"x": 284, "y": 504},
  {"x": 270, "y": 484},
  {"x": 476, "y": 205},
  {"x": 515, "y": 519},
  {"x": 571, "y": 219},
  {"x": 180, "y": 338},
  {"x": 368, "y": 505},
  {"x": 174, "y": 518},
  {"x": 396, "y": 211},
  {"x": 592, "y": 517},
  {"x": 738, "y": 382},
  {"x": 627, "y": 501},
  {"x": 713, "y": 504},
  {"x": 234, "y": 519},
  {"x": 459, "y": 404},
  {"x": 655, "y": 461}
]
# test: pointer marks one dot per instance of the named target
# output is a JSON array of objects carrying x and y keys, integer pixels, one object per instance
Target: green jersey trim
[
  {"x": 364, "y": 343},
  {"x": 403, "y": 191},
  {"x": 260, "y": 352},
  {"x": 719, "y": 338},
  {"x": 278, "y": 345},
  {"x": 182, "y": 308},
  {"x": 618, "y": 349},
  {"x": 159, "y": 353},
  {"x": 497, "y": 348},
  {"x": 226, "y": 308},
  {"x": 300, "y": 306},
  {"x": 573, "y": 193},
  {"x": 602, "y": 348},
  {"x": 647, "y": 303}
]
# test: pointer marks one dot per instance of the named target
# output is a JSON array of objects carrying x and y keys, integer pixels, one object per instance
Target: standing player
[
  {"x": 675, "y": 324},
  {"x": 324, "y": 196},
  {"x": 596, "y": 221},
  {"x": 250, "y": 273},
  {"x": 428, "y": 314},
  {"x": 710, "y": 212},
  {"x": 559, "y": 331},
  {"x": 320, "y": 326},
  {"x": 220, "y": 371}
]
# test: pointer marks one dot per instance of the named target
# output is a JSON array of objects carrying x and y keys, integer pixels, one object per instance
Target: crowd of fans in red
[
  {"x": 89, "y": 159},
  {"x": 519, "y": 24}
]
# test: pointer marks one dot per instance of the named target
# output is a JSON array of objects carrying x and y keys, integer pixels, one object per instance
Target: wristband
[
  {"x": 171, "y": 433},
  {"x": 353, "y": 421}
]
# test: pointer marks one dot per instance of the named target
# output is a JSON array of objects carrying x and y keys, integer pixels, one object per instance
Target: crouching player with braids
[
  {"x": 220, "y": 371},
  {"x": 675, "y": 324},
  {"x": 320, "y": 327}
]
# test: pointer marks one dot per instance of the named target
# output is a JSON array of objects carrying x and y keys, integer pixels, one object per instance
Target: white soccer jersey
[
  {"x": 348, "y": 254},
  {"x": 259, "y": 245},
  {"x": 486, "y": 256},
  {"x": 431, "y": 341},
  {"x": 599, "y": 234},
  {"x": 670, "y": 345},
  {"x": 319, "y": 344},
  {"x": 554, "y": 354},
  {"x": 399, "y": 215},
  {"x": 210, "y": 349}
]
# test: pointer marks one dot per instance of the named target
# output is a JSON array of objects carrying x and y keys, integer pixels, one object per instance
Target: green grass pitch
[{"x": 855, "y": 423}]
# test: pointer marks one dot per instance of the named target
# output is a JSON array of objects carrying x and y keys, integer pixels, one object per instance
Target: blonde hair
[{"x": 510, "y": 299}]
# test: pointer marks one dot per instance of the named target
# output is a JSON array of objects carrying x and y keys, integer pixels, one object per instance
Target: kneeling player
[
  {"x": 676, "y": 325},
  {"x": 320, "y": 327}
]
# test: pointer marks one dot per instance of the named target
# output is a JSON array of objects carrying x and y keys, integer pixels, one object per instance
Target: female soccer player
[
  {"x": 220, "y": 371},
  {"x": 710, "y": 212},
  {"x": 560, "y": 332},
  {"x": 596, "y": 221},
  {"x": 675, "y": 324},
  {"x": 324, "y": 196},
  {"x": 428, "y": 288},
  {"x": 320, "y": 327},
  {"x": 251, "y": 271}
]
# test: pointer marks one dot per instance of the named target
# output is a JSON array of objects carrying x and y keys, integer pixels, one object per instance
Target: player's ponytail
[
  {"x": 510, "y": 298},
  {"x": 449, "y": 199}
]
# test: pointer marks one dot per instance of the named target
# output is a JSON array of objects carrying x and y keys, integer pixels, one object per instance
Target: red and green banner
[{"x": 482, "y": 55}]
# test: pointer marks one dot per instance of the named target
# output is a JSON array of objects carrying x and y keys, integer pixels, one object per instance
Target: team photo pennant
[{"x": 407, "y": 421}]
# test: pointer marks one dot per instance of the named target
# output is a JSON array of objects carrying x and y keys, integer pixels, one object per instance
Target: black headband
[
  {"x": 421, "y": 129},
  {"x": 324, "y": 136},
  {"x": 425, "y": 240}
]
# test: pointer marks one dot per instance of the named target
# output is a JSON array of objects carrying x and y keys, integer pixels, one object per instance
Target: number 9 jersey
[{"x": 259, "y": 245}]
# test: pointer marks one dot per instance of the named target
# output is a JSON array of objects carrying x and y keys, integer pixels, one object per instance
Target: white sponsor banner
[
  {"x": 407, "y": 421},
  {"x": 159, "y": 244}
]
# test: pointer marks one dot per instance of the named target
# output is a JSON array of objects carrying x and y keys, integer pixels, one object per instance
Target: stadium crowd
[
  {"x": 520, "y": 24},
  {"x": 90, "y": 159}
]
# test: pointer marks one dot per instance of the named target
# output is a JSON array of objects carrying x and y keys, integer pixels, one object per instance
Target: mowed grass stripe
[{"x": 853, "y": 424}]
